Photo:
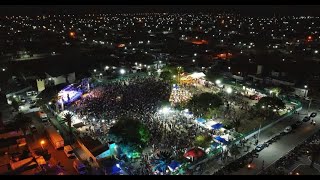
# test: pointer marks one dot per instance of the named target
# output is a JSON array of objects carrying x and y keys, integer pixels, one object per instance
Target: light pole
[
  {"x": 259, "y": 132},
  {"x": 309, "y": 106},
  {"x": 42, "y": 142},
  {"x": 305, "y": 91}
]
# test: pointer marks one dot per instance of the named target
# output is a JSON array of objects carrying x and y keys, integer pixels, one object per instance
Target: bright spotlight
[
  {"x": 218, "y": 81},
  {"x": 165, "y": 110},
  {"x": 122, "y": 71},
  {"x": 229, "y": 90}
]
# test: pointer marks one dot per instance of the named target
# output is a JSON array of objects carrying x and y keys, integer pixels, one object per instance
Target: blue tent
[
  {"x": 201, "y": 120},
  {"x": 214, "y": 145},
  {"x": 161, "y": 166},
  {"x": 220, "y": 139},
  {"x": 217, "y": 126},
  {"x": 173, "y": 165},
  {"x": 116, "y": 169}
]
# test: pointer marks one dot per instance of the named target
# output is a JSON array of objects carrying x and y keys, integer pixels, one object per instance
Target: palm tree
[
  {"x": 67, "y": 118},
  {"x": 22, "y": 122}
]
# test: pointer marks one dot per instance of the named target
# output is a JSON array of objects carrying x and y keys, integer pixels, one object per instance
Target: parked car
[
  {"x": 68, "y": 150},
  {"x": 294, "y": 126},
  {"x": 314, "y": 114},
  {"x": 306, "y": 119},
  {"x": 298, "y": 123},
  {"x": 33, "y": 128},
  {"x": 287, "y": 129},
  {"x": 260, "y": 147}
]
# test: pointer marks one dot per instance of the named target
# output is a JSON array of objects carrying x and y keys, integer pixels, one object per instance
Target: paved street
[
  {"x": 276, "y": 150},
  {"x": 56, "y": 155},
  {"x": 281, "y": 147}
]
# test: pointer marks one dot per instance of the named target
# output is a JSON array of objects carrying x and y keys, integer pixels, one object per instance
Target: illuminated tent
[
  {"x": 194, "y": 153},
  {"x": 217, "y": 126},
  {"x": 197, "y": 75},
  {"x": 221, "y": 140},
  {"x": 173, "y": 166},
  {"x": 214, "y": 145},
  {"x": 201, "y": 120},
  {"x": 116, "y": 169}
]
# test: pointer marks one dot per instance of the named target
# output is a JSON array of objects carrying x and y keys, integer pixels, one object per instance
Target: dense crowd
[{"x": 136, "y": 95}]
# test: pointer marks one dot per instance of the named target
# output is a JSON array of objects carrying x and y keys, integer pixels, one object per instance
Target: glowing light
[
  {"x": 229, "y": 90},
  {"x": 122, "y": 71},
  {"x": 165, "y": 110},
  {"x": 218, "y": 81},
  {"x": 42, "y": 142},
  {"x": 72, "y": 34}
]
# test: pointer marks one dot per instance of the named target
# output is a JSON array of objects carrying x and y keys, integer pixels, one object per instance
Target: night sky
[{"x": 251, "y": 10}]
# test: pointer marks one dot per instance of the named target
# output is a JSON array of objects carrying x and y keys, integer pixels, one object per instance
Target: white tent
[{"x": 197, "y": 75}]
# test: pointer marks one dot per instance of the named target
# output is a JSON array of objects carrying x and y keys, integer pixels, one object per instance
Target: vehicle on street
[
  {"x": 43, "y": 116},
  {"x": 79, "y": 167},
  {"x": 68, "y": 150},
  {"x": 287, "y": 129},
  {"x": 260, "y": 147},
  {"x": 54, "y": 137},
  {"x": 33, "y": 128},
  {"x": 314, "y": 114},
  {"x": 306, "y": 119},
  {"x": 298, "y": 123},
  {"x": 294, "y": 126}
]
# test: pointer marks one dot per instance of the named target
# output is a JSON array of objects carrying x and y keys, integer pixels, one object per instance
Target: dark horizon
[{"x": 247, "y": 10}]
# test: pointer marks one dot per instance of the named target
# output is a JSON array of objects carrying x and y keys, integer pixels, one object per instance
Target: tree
[
  {"x": 166, "y": 75},
  {"x": 202, "y": 103},
  {"x": 130, "y": 131},
  {"x": 236, "y": 119},
  {"x": 271, "y": 103},
  {"x": 15, "y": 104},
  {"x": 68, "y": 119},
  {"x": 234, "y": 150},
  {"x": 23, "y": 122},
  {"x": 202, "y": 141}
]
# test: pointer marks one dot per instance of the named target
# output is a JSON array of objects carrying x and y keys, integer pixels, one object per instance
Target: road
[
  {"x": 286, "y": 143},
  {"x": 56, "y": 155}
]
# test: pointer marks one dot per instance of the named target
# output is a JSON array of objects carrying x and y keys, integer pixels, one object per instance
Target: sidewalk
[{"x": 213, "y": 165}]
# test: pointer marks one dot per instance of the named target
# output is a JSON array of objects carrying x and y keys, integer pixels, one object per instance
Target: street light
[
  {"x": 229, "y": 90},
  {"x": 305, "y": 86},
  {"x": 193, "y": 60},
  {"x": 122, "y": 71},
  {"x": 218, "y": 81},
  {"x": 94, "y": 70},
  {"x": 50, "y": 103},
  {"x": 107, "y": 67},
  {"x": 3, "y": 69},
  {"x": 42, "y": 142}
]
